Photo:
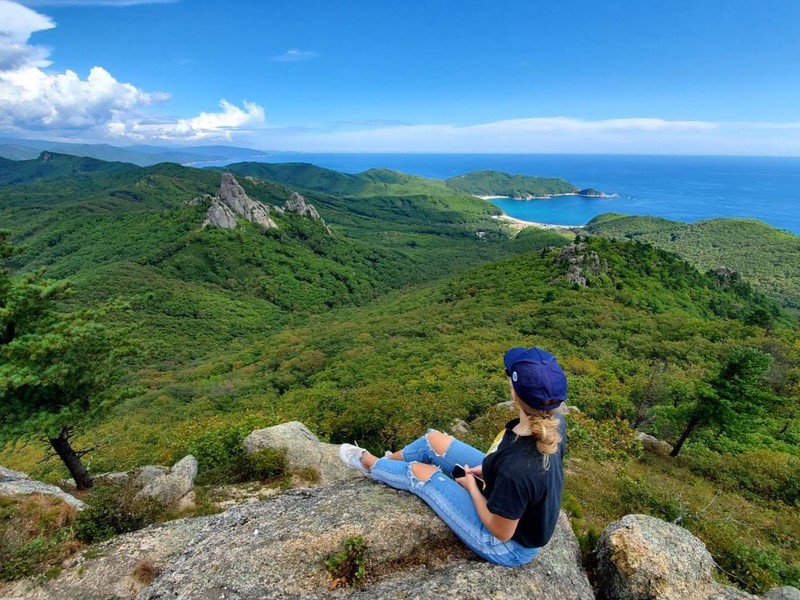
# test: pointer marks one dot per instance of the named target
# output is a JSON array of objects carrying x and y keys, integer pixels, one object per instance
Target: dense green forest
[
  {"x": 495, "y": 183},
  {"x": 765, "y": 256},
  {"x": 397, "y": 320}
]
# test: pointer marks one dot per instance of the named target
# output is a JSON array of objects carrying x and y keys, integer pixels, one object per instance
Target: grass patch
[{"x": 35, "y": 535}]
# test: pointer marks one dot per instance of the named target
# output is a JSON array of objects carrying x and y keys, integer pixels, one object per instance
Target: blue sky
[{"x": 677, "y": 77}]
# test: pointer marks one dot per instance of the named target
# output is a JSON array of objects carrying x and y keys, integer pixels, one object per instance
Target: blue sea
[{"x": 684, "y": 188}]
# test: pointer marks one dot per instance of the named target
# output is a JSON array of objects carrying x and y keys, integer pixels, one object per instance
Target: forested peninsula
[{"x": 490, "y": 184}]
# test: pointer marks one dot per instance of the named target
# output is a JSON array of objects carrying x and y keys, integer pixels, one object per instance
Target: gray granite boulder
[
  {"x": 643, "y": 558},
  {"x": 9, "y": 475},
  {"x": 783, "y": 593},
  {"x": 276, "y": 549},
  {"x": 149, "y": 473},
  {"x": 17, "y": 483},
  {"x": 653, "y": 444},
  {"x": 458, "y": 428},
  {"x": 174, "y": 485},
  {"x": 303, "y": 450}
]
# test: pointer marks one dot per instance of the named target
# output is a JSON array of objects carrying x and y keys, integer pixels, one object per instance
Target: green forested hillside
[
  {"x": 765, "y": 256},
  {"x": 495, "y": 183},
  {"x": 55, "y": 166},
  {"x": 397, "y": 321},
  {"x": 130, "y": 231}
]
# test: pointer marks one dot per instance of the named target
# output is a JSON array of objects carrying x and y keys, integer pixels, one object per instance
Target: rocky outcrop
[
  {"x": 297, "y": 204},
  {"x": 303, "y": 450},
  {"x": 276, "y": 549},
  {"x": 234, "y": 197},
  {"x": 581, "y": 265},
  {"x": 643, "y": 558},
  {"x": 16, "y": 483},
  {"x": 231, "y": 202},
  {"x": 281, "y": 545},
  {"x": 219, "y": 215},
  {"x": 170, "y": 487},
  {"x": 654, "y": 445}
]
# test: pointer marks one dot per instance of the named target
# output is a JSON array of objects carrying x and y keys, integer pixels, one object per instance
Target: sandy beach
[{"x": 518, "y": 224}]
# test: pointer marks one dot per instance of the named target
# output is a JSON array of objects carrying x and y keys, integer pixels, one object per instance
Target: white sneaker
[{"x": 351, "y": 457}]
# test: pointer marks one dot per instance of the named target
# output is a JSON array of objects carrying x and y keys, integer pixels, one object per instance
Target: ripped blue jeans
[{"x": 448, "y": 499}]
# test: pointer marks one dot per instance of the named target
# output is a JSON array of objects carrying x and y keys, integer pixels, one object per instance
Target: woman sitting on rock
[{"x": 505, "y": 505}]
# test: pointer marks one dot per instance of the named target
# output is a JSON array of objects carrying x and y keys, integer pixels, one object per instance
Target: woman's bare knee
[
  {"x": 439, "y": 441},
  {"x": 422, "y": 471}
]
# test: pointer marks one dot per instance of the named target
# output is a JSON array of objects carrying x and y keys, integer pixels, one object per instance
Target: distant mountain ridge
[
  {"x": 141, "y": 155},
  {"x": 51, "y": 165}
]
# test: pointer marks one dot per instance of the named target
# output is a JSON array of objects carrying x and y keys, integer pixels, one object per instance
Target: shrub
[
  {"x": 611, "y": 439},
  {"x": 349, "y": 566},
  {"x": 112, "y": 510},
  {"x": 760, "y": 569},
  {"x": 639, "y": 495},
  {"x": 767, "y": 474},
  {"x": 263, "y": 465}
]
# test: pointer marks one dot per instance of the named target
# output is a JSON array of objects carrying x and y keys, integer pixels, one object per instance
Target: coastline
[
  {"x": 519, "y": 224},
  {"x": 606, "y": 196}
]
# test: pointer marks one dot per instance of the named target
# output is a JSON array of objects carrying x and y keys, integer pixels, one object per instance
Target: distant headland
[{"x": 496, "y": 184}]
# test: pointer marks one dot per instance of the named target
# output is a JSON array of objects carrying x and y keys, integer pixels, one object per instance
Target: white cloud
[
  {"x": 34, "y": 100},
  {"x": 218, "y": 126},
  {"x": 31, "y": 99},
  {"x": 295, "y": 55},
  {"x": 17, "y": 23}
]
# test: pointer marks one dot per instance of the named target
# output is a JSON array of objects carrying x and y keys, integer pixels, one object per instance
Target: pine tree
[{"x": 55, "y": 364}]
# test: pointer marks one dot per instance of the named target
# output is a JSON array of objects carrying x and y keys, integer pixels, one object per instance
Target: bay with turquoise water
[{"x": 683, "y": 188}]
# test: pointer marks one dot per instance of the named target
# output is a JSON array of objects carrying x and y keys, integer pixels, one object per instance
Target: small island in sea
[{"x": 496, "y": 184}]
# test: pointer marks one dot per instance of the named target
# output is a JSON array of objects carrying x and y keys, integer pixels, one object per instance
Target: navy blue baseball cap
[{"x": 538, "y": 379}]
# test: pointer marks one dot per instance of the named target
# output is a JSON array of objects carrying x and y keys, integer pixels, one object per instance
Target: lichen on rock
[{"x": 640, "y": 557}]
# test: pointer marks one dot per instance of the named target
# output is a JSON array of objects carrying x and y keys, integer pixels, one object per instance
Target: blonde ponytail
[{"x": 543, "y": 425}]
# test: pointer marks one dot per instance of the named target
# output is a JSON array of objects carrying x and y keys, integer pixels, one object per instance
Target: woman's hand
[
  {"x": 477, "y": 471},
  {"x": 468, "y": 480}
]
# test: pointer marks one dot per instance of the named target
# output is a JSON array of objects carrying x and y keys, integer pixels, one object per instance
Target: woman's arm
[{"x": 498, "y": 526}]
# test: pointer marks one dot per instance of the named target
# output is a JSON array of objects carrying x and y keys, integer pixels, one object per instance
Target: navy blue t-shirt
[{"x": 518, "y": 486}]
